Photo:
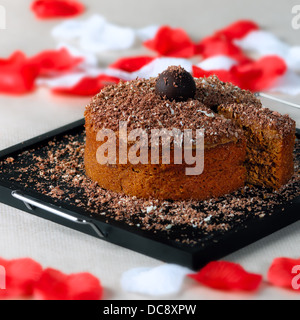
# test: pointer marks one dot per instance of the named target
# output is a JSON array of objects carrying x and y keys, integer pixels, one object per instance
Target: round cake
[{"x": 238, "y": 135}]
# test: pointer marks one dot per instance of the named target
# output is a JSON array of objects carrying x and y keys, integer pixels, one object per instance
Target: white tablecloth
[{"x": 21, "y": 118}]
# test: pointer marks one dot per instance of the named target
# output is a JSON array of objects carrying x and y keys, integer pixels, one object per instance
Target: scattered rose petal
[
  {"x": 99, "y": 35},
  {"x": 86, "y": 82},
  {"x": 17, "y": 74},
  {"x": 87, "y": 86},
  {"x": 224, "y": 55},
  {"x": 52, "y": 285},
  {"x": 89, "y": 60},
  {"x": 69, "y": 30},
  {"x": 68, "y": 80},
  {"x": 237, "y": 30},
  {"x": 283, "y": 273},
  {"x": 220, "y": 62},
  {"x": 161, "y": 280},
  {"x": 131, "y": 64},
  {"x": 255, "y": 76},
  {"x": 55, "y": 285},
  {"x": 261, "y": 74},
  {"x": 20, "y": 277},
  {"x": 214, "y": 46},
  {"x": 49, "y": 62},
  {"x": 227, "y": 276},
  {"x": 25, "y": 278},
  {"x": 172, "y": 43},
  {"x": 96, "y": 34},
  {"x": 264, "y": 43},
  {"x": 47, "y": 9},
  {"x": 293, "y": 58}
]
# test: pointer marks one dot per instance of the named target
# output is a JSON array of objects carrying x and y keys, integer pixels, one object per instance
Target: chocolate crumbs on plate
[{"x": 56, "y": 170}]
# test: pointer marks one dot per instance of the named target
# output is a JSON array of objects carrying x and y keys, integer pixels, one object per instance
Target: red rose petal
[
  {"x": 214, "y": 45},
  {"x": 88, "y": 86},
  {"x": 21, "y": 276},
  {"x": 4, "y": 291},
  {"x": 23, "y": 273},
  {"x": 52, "y": 285},
  {"x": 285, "y": 272},
  {"x": 84, "y": 286},
  {"x": 50, "y": 62},
  {"x": 55, "y": 285},
  {"x": 227, "y": 276},
  {"x": 237, "y": 30},
  {"x": 261, "y": 74},
  {"x": 15, "y": 58},
  {"x": 17, "y": 74},
  {"x": 172, "y": 43},
  {"x": 131, "y": 64},
  {"x": 223, "y": 75},
  {"x": 47, "y": 9},
  {"x": 255, "y": 75}
]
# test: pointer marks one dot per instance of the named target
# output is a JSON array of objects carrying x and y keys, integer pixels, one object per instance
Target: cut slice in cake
[
  {"x": 270, "y": 143},
  {"x": 270, "y": 135}
]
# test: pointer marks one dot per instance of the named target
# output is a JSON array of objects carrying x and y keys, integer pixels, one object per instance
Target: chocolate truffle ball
[{"x": 175, "y": 83}]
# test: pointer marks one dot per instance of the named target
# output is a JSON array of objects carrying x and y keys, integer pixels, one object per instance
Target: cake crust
[{"x": 271, "y": 140}]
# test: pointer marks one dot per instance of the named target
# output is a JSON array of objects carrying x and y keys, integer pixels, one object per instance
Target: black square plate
[{"x": 161, "y": 245}]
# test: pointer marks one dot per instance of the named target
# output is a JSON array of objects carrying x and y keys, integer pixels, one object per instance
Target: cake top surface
[
  {"x": 261, "y": 118},
  {"x": 138, "y": 103},
  {"x": 212, "y": 92}
]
